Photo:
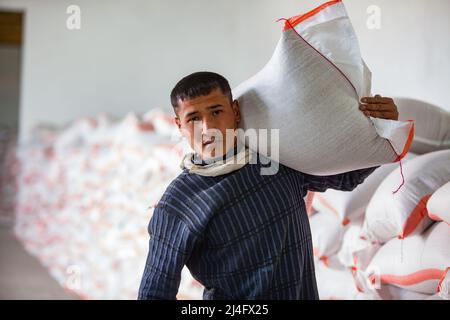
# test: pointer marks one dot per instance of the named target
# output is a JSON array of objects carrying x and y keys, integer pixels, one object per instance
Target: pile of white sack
[
  {"x": 84, "y": 196},
  {"x": 387, "y": 239}
]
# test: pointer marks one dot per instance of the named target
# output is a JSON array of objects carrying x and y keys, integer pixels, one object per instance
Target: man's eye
[
  {"x": 193, "y": 119},
  {"x": 216, "y": 112}
]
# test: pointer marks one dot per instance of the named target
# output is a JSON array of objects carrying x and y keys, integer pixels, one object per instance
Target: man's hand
[{"x": 379, "y": 107}]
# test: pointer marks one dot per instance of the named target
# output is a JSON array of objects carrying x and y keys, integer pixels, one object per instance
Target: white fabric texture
[
  {"x": 327, "y": 232},
  {"x": 218, "y": 168},
  {"x": 334, "y": 284},
  {"x": 417, "y": 263},
  {"x": 432, "y": 124},
  {"x": 438, "y": 206},
  {"x": 349, "y": 206},
  {"x": 351, "y": 242}
]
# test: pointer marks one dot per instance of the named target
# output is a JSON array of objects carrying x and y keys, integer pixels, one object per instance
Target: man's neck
[{"x": 230, "y": 153}]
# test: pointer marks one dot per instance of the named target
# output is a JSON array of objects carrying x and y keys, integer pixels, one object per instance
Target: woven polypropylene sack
[
  {"x": 310, "y": 90},
  {"x": 432, "y": 124},
  {"x": 438, "y": 206},
  {"x": 327, "y": 232},
  {"x": 417, "y": 263},
  {"x": 349, "y": 206},
  {"x": 392, "y": 214}
]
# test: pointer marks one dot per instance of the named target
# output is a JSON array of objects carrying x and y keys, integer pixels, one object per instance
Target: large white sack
[
  {"x": 360, "y": 268},
  {"x": 444, "y": 286},
  {"x": 327, "y": 233},
  {"x": 310, "y": 90},
  {"x": 417, "y": 263},
  {"x": 438, "y": 206},
  {"x": 390, "y": 214},
  {"x": 390, "y": 292},
  {"x": 334, "y": 284},
  {"x": 189, "y": 289},
  {"x": 348, "y": 206},
  {"x": 352, "y": 243},
  {"x": 432, "y": 125}
]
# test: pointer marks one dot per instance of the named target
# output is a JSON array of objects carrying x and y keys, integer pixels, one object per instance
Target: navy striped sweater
[{"x": 242, "y": 235}]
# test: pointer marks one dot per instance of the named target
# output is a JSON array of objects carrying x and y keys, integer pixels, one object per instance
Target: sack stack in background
[
  {"x": 438, "y": 204},
  {"x": 402, "y": 214},
  {"x": 432, "y": 124},
  {"x": 84, "y": 200},
  {"x": 395, "y": 244}
]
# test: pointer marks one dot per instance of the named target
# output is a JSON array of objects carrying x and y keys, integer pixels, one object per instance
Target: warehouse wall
[
  {"x": 129, "y": 54},
  {"x": 410, "y": 55},
  {"x": 9, "y": 86}
]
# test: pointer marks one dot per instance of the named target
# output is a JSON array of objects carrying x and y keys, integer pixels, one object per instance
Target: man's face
[{"x": 204, "y": 121}]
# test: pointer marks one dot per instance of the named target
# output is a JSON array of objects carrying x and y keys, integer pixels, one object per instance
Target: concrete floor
[{"x": 22, "y": 276}]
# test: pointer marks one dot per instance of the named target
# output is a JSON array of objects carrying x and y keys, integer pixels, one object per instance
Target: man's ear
[
  {"x": 236, "y": 110},
  {"x": 178, "y": 122}
]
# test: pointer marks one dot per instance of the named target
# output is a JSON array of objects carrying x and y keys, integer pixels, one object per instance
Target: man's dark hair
[{"x": 199, "y": 84}]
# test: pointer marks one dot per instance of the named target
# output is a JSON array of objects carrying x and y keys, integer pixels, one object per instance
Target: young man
[{"x": 242, "y": 235}]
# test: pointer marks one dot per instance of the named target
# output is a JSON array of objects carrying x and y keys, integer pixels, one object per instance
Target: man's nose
[{"x": 207, "y": 124}]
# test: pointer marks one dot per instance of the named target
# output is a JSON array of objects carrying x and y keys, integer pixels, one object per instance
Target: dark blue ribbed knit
[{"x": 242, "y": 235}]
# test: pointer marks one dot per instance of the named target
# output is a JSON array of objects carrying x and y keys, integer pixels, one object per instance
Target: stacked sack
[
  {"x": 385, "y": 239},
  {"x": 84, "y": 200}
]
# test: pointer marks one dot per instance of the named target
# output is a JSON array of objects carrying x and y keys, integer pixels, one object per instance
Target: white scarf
[{"x": 218, "y": 168}]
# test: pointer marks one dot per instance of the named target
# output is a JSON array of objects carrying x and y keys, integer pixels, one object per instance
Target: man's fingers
[
  {"x": 376, "y": 107},
  {"x": 377, "y": 100},
  {"x": 379, "y": 107},
  {"x": 381, "y": 114}
]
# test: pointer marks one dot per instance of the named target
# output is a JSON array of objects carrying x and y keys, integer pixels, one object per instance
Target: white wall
[
  {"x": 129, "y": 53},
  {"x": 410, "y": 55}
]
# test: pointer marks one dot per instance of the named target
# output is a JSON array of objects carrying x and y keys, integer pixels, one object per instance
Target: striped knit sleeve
[
  {"x": 170, "y": 246},
  {"x": 344, "y": 182}
]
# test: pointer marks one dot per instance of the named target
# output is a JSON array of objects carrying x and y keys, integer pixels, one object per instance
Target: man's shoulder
[
  {"x": 265, "y": 166},
  {"x": 174, "y": 197},
  {"x": 179, "y": 186},
  {"x": 176, "y": 203},
  {"x": 186, "y": 186}
]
